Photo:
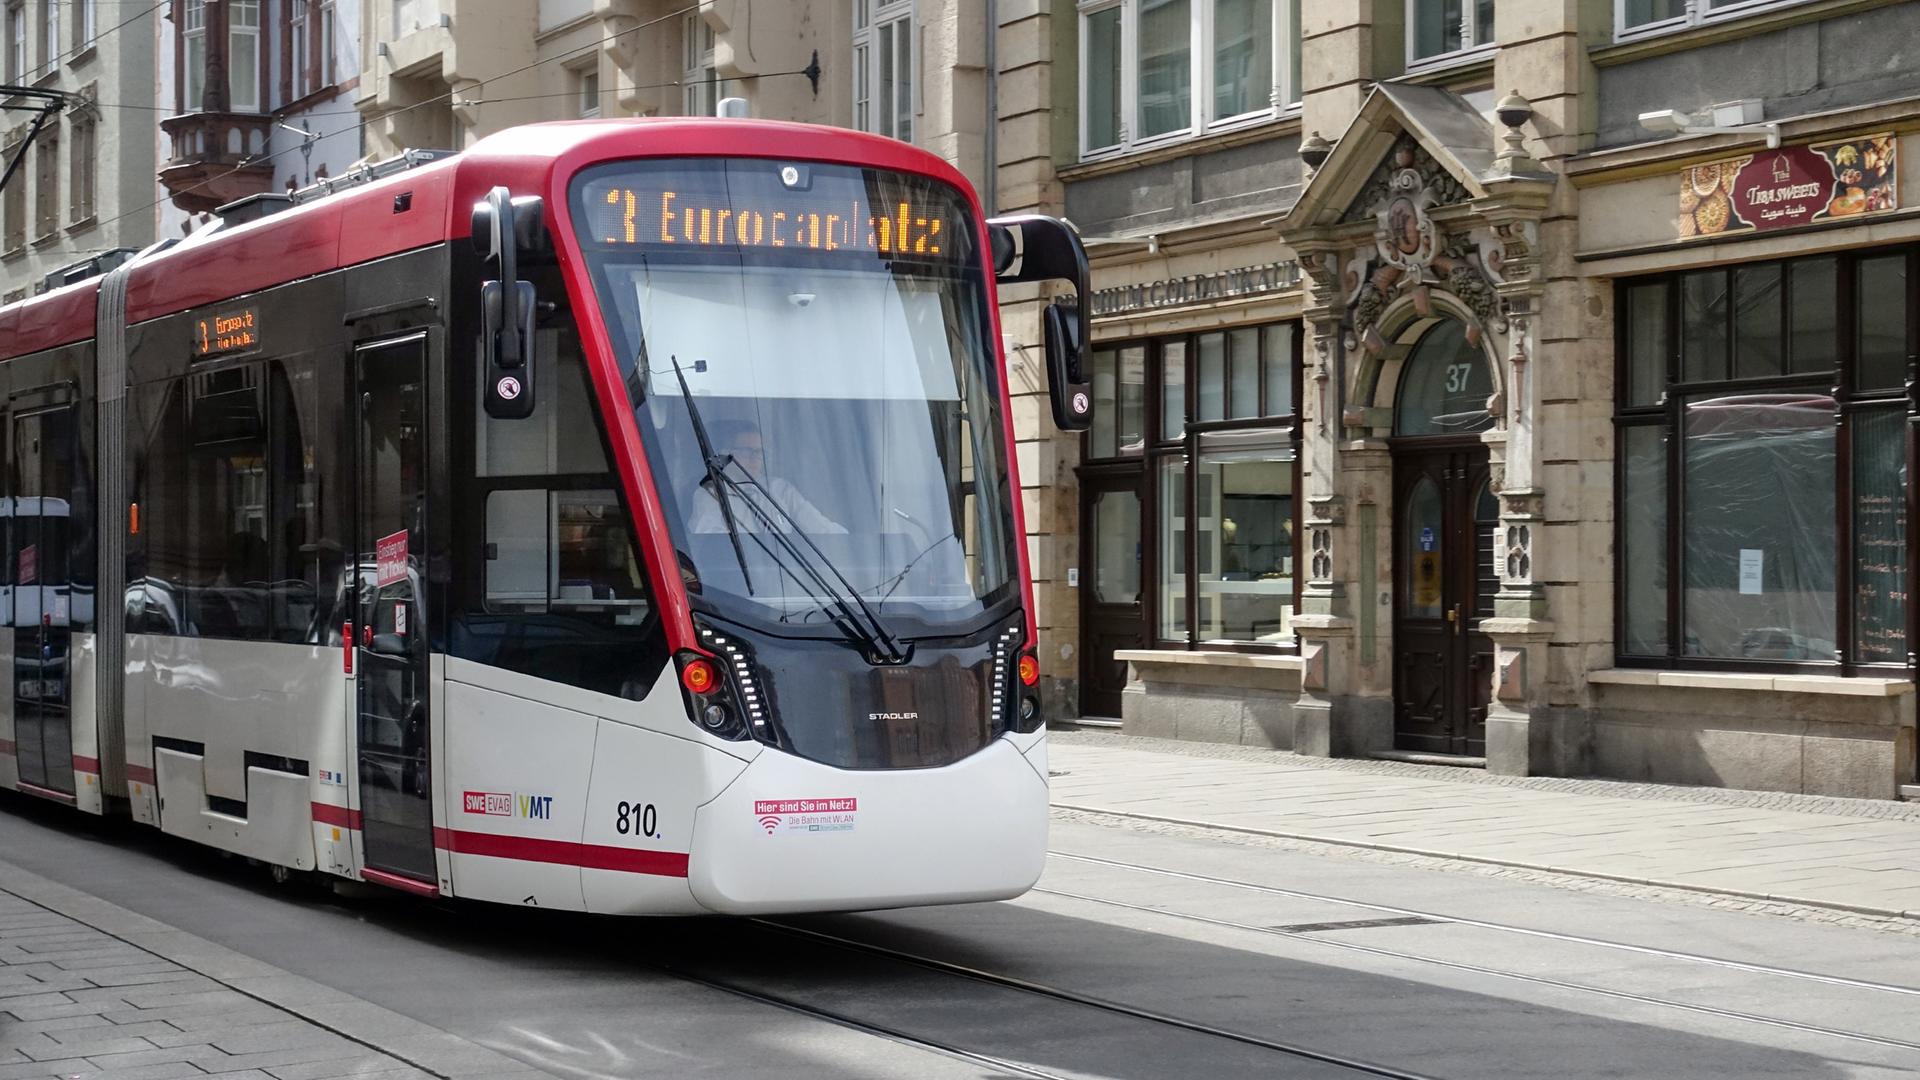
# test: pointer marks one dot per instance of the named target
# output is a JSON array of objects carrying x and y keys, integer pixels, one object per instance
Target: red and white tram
[{"x": 615, "y": 516}]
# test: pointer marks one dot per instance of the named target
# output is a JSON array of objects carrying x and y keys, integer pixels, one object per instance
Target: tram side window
[
  {"x": 232, "y": 540},
  {"x": 563, "y": 591}
]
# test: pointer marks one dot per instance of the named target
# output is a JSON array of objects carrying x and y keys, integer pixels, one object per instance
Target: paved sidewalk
[
  {"x": 1811, "y": 852},
  {"x": 91, "y": 990}
]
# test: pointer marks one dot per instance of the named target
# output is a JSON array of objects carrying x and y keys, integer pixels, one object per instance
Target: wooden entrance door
[
  {"x": 1445, "y": 514},
  {"x": 1112, "y": 613}
]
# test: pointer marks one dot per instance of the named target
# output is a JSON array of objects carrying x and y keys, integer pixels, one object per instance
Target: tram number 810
[{"x": 638, "y": 819}]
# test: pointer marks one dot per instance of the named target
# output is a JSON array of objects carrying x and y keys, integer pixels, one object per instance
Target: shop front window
[
  {"x": 1220, "y": 453},
  {"x": 1775, "y": 503}
]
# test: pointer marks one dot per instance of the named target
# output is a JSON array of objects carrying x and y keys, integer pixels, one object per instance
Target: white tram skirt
[{"x": 795, "y": 835}]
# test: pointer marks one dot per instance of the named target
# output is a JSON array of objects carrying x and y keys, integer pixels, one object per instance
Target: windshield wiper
[
  {"x": 716, "y": 480},
  {"x": 873, "y": 634}
]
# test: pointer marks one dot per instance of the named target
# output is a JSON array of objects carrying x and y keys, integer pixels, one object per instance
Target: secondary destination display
[
  {"x": 642, "y": 216},
  {"x": 223, "y": 332}
]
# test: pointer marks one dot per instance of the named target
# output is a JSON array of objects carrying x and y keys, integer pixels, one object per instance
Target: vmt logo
[{"x": 506, "y": 804}]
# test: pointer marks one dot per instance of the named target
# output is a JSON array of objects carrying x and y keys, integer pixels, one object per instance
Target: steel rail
[
  {"x": 865, "y": 1027},
  {"x": 1516, "y": 976},
  {"x": 1088, "y": 1001},
  {"x": 1483, "y": 924}
]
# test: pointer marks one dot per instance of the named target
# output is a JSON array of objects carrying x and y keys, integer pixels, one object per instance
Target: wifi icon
[{"x": 770, "y": 823}]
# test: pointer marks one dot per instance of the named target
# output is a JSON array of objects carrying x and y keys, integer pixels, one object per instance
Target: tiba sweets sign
[{"x": 1793, "y": 185}]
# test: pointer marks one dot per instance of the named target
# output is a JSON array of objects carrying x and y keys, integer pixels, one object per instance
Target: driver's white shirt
[{"x": 708, "y": 518}]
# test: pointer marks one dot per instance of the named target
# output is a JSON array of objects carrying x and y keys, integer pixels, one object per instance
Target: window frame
[
  {"x": 46, "y": 184},
  {"x": 50, "y": 36},
  {"x": 1190, "y": 446},
  {"x": 1666, "y": 413},
  {"x": 871, "y": 19},
  {"x": 86, "y": 25},
  {"x": 83, "y": 166},
  {"x": 1285, "y": 81},
  {"x": 193, "y": 28},
  {"x": 17, "y": 56},
  {"x": 235, "y": 31},
  {"x": 697, "y": 77},
  {"x": 1693, "y": 13},
  {"x": 1469, "y": 30},
  {"x": 301, "y": 67}
]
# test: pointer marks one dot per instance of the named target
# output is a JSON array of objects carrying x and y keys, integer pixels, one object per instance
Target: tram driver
[{"x": 740, "y": 444}]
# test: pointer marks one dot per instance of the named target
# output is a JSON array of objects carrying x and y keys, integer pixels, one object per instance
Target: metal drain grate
[{"x": 1352, "y": 924}]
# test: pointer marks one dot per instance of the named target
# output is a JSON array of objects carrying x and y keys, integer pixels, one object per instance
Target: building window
[
  {"x": 1153, "y": 70},
  {"x": 589, "y": 83},
  {"x": 883, "y": 67},
  {"x": 17, "y": 42},
  {"x": 1640, "y": 18},
  {"x": 1213, "y": 417},
  {"x": 1439, "y": 30},
  {"x": 85, "y": 24},
  {"x": 328, "y": 73},
  {"x": 243, "y": 55},
  {"x": 13, "y": 201},
  {"x": 300, "y": 47},
  {"x": 1763, "y": 445},
  {"x": 700, "y": 86},
  {"x": 46, "y": 183},
  {"x": 193, "y": 67},
  {"x": 50, "y": 36},
  {"x": 81, "y": 166}
]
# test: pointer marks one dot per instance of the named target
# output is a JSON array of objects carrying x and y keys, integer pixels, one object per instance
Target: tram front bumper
[{"x": 794, "y": 835}]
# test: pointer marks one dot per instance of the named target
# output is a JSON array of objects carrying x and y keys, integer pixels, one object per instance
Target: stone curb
[
  {"x": 1516, "y": 864},
  {"x": 408, "y": 1041}
]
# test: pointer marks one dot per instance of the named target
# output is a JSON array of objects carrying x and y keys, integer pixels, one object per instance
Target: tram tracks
[
  {"x": 1413, "y": 915},
  {"x": 1746, "y": 966},
  {"x": 849, "y": 1018}
]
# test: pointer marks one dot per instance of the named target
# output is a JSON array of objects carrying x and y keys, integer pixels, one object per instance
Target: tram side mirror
[
  {"x": 504, "y": 229},
  {"x": 1031, "y": 247}
]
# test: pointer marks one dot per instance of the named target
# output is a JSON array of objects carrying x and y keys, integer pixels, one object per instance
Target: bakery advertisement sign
[{"x": 1794, "y": 185}]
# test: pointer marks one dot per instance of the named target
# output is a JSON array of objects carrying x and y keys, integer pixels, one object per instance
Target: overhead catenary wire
[{"x": 436, "y": 99}]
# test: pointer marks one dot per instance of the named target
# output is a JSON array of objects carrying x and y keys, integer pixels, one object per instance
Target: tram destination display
[{"x": 816, "y": 209}]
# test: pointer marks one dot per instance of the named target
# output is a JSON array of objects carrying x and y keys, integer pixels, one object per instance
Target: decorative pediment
[
  {"x": 1406, "y": 155},
  {"x": 1430, "y": 130}
]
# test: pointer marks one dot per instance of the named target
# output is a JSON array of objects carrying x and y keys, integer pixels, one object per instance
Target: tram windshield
[{"x": 807, "y": 354}]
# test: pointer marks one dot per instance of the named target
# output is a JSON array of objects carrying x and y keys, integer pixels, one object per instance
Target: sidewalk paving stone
[
  {"x": 91, "y": 990},
  {"x": 1847, "y": 855}
]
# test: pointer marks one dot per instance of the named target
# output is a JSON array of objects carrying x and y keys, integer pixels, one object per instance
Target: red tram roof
[{"x": 361, "y": 223}]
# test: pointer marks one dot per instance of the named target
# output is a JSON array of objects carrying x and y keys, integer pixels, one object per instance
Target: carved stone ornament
[
  {"x": 1411, "y": 253},
  {"x": 1407, "y": 155}
]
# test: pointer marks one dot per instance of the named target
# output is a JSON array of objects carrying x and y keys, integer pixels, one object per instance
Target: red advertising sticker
[
  {"x": 390, "y": 555},
  {"x": 29, "y": 564}
]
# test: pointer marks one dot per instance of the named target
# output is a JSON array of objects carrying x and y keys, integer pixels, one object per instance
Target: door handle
[{"x": 1454, "y": 620}]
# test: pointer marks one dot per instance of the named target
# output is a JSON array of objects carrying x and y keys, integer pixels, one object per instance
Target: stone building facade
[
  {"x": 84, "y": 189},
  {"x": 1599, "y": 434}
]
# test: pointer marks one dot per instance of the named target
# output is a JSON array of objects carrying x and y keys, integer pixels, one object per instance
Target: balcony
[{"x": 205, "y": 169}]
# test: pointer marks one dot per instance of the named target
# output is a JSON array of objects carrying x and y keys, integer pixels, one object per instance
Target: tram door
[
  {"x": 391, "y": 652},
  {"x": 43, "y": 485}
]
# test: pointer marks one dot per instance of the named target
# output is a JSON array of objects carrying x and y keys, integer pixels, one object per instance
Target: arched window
[{"x": 1445, "y": 387}]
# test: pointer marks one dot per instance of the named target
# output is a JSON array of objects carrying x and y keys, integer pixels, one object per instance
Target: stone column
[
  {"x": 1324, "y": 624},
  {"x": 1025, "y": 183}
]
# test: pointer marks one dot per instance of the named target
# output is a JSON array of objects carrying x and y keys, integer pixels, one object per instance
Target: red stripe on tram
[
  {"x": 139, "y": 774},
  {"x": 6, "y": 747},
  {"x": 565, "y": 853},
  {"x": 329, "y": 814},
  {"x": 86, "y": 764}
]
